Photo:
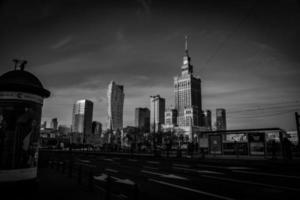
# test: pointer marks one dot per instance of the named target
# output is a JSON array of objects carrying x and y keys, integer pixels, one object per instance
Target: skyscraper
[
  {"x": 207, "y": 119},
  {"x": 115, "y": 96},
  {"x": 82, "y": 117},
  {"x": 220, "y": 119},
  {"x": 188, "y": 99},
  {"x": 142, "y": 119},
  {"x": 54, "y": 124},
  {"x": 157, "y": 112}
]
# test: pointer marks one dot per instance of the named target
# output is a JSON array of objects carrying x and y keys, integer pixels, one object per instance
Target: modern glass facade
[{"x": 115, "y": 96}]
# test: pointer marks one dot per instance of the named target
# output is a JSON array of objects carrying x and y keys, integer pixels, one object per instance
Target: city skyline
[{"x": 246, "y": 54}]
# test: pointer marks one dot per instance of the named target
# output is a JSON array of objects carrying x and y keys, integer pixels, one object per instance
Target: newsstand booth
[
  {"x": 252, "y": 142},
  {"x": 21, "y": 101}
]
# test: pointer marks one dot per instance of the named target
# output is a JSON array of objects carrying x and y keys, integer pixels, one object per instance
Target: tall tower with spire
[{"x": 187, "y": 89}]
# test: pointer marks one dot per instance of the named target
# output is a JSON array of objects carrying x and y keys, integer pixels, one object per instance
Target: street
[{"x": 178, "y": 179}]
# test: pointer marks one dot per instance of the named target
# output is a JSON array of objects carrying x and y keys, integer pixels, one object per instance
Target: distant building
[
  {"x": 207, "y": 119},
  {"x": 82, "y": 118},
  {"x": 115, "y": 95},
  {"x": 54, "y": 124},
  {"x": 142, "y": 119},
  {"x": 171, "y": 117},
  {"x": 96, "y": 128},
  {"x": 44, "y": 125},
  {"x": 157, "y": 113},
  {"x": 64, "y": 130},
  {"x": 188, "y": 99},
  {"x": 293, "y": 136},
  {"x": 220, "y": 119}
]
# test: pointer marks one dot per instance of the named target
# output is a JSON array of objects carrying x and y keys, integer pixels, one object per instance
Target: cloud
[{"x": 62, "y": 43}]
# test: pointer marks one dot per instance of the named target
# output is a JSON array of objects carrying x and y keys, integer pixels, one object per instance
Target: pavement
[{"x": 180, "y": 179}]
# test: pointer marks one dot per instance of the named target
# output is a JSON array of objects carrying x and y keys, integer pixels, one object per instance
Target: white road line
[
  {"x": 153, "y": 162},
  {"x": 173, "y": 176},
  {"x": 181, "y": 165},
  {"x": 211, "y": 166},
  {"x": 266, "y": 174},
  {"x": 190, "y": 189},
  {"x": 252, "y": 183},
  {"x": 111, "y": 170},
  {"x": 199, "y": 171}
]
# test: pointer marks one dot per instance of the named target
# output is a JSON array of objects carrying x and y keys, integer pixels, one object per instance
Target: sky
[{"x": 245, "y": 52}]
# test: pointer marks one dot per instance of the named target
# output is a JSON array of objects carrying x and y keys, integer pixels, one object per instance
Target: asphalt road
[{"x": 178, "y": 179}]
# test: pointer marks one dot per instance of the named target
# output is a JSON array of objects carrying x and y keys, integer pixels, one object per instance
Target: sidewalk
[{"x": 54, "y": 185}]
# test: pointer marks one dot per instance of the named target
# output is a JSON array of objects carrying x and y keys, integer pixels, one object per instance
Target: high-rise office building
[
  {"x": 82, "y": 117},
  {"x": 157, "y": 112},
  {"x": 115, "y": 96},
  {"x": 171, "y": 117},
  {"x": 142, "y": 119},
  {"x": 207, "y": 119},
  {"x": 54, "y": 124},
  {"x": 187, "y": 88},
  {"x": 220, "y": 119}
]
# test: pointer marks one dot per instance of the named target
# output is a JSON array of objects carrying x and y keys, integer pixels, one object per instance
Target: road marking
[
  {"x": 153, "y": 162},
  {"x": 102, "y": 177},
  {"x": 173, "y": 176},
  {"x": 111, "y": 170},
  {"x": 266, "y": 174},
  {"x": 199, "y": 171},
  {"x": 211, "y": 166},
  {"x": 132, "y": 160},
  {"x": 125, "y": 181},
  {"x": 181, "y": 165},
  {"x": 209, "y": 172},
  {"x": 251, "y": 183},
  {"x": 190, "y": 189},
  {"x": 148, "y": 167}
]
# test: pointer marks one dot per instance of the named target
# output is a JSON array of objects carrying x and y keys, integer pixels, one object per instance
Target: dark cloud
[{"x": 244, "y": 51}]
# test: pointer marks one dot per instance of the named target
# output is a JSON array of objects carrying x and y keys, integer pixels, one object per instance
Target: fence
[{"x": 106, "y": 186}]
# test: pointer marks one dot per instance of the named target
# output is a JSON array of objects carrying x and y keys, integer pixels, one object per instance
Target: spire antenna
[{"x": 186, "y": 44}]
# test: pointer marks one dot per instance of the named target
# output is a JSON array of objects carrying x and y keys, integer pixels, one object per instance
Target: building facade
[
  {"x": 96, "y": 128},
  {"x": 207, "y": 119},
  {"x": 220, "y": 119},
  {"x": 142, "y": 119},
  {"x": 188, "y": 99},
  {"x": 54, "y": 124},
  {"x": 82, "y": 117},
  {"x": 157, "y": 113},
  {"x": 171, "y": 117},
  {"x": 115, "y": 96}
]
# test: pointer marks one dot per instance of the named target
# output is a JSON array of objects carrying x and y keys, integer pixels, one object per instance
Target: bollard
[
  {"x": 63, "y": 167},
  {"x": 108, "y": 188},
  {"x": 70, "y": 169},
  {"x": 135, "y": 192},
  {"x": 91, "y": 175},
  {"x": 79, "y": 178}
]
